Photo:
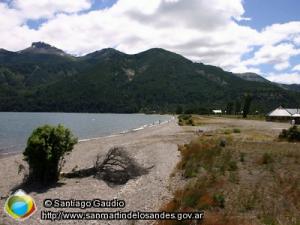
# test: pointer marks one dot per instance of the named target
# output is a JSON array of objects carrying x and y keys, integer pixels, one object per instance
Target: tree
[
  {"x": 237, "y": 107},
  {"x": 247, "y": 105},
  {"x": 229, "y": 108},
  {"x": 45, "y": 152},
  {"x": 179, "y": 110}
]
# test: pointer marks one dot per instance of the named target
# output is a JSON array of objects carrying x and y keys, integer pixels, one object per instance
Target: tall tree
[
  {"x": 247, "y": 105},
  {"x": 238, "y": 106},
  {"x": 229, "y": 108}
]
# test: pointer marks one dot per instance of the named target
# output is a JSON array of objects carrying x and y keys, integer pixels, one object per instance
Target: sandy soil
[{"x": 154, "y": 146}]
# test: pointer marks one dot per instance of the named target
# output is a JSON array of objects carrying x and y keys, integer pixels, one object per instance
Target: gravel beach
[{"x": 152, "y": 147}]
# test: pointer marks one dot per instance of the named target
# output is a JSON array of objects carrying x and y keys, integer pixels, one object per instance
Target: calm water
[{"x": 15, "y": 128}]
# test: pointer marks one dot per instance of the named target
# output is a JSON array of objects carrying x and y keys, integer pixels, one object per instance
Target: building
[
  {"x": 217, "y": 111},
  {"x": 284, "y": 115}
]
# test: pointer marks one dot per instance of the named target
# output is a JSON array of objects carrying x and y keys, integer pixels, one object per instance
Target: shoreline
[
  {"x": 153, "y": 146},
  {"x": 145, "y": 126}
]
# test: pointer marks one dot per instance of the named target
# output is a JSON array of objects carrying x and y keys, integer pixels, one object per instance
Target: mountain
[
  {"x": 43, "y": 48},
  {"x": 291, "y": 87},
  {"x": 251, "y": 77},
  {"x": 259, "y": 78},
  {"x": 111, "y": 81}
]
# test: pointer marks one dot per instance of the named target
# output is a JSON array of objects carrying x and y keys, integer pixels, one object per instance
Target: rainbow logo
[{"x": 20, "y": 206}]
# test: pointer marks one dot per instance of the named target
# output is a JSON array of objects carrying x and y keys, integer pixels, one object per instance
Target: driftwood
[{"x": 115, "y": 168}]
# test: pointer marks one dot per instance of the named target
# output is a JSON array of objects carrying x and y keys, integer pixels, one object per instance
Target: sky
[{"x": 261, "y": 36}]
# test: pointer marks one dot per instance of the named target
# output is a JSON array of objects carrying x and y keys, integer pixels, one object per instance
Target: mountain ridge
[{"x": 111, "y": 81}]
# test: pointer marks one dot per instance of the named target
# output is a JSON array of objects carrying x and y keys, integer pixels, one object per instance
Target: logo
[{"x": 20, "y": 206}]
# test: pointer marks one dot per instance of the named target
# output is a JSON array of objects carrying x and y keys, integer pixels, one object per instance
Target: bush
[
  {"x": 227, "y": 131},
  {"x": 232, "y": 166},
  {"x": 236, "y": 130},
  {"x": 45, "y": 152},
  {"x": 267, "y": 158},
  {"x": 292, "y": 134},
  {"x": 185, "y": 120},
  {"x": 219, "y": 200},
  {"x": 242, "y": 156},
  {"x": 185, "y": 116}
]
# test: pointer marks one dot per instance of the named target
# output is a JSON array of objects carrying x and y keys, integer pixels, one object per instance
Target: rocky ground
[{"x": 152, "y": 147}]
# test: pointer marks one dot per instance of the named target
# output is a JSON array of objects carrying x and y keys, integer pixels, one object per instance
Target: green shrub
[
  {"x": 232, "y": 166},
  {"x": 292, "y": 134},
  {"x": 242, "y": 156},
  {"x": 185, "y": 119},
  {"x": 267, "y": 158},
  {"x": 269, "y": 220},
  {"x": 219, "y": 200},
  {"x": 227, "y": 131},
  {"x": 234, "y": 177},
  {"x": 185, "y": 116},
  {"x": 45, "y": 152},
  {"x": 236, "y": 130},
  {"x": 223, "y": 143}
]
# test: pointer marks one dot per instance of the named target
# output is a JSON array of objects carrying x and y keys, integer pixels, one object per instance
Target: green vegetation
[
  {"x": 230, "y": 131},
  {"x": 45, "y": 152},
  {"x": 219, "y": 200},
  {"x": 236, "y": 130},
  {"x": 186, "y": 120},
  {"x": 292, "y": 134},
  {"x": 247, "y": 105},
  {"x": 111, "y": 81},
  {"x": 267, "y": 158},
  {"x": 242, "y": 157}
]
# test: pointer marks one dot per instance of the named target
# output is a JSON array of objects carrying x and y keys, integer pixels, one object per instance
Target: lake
[{"x": 15, "y": 128}]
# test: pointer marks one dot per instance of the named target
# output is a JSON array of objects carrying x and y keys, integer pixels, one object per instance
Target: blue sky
[
  {"x": 266, "y": 12},
  {"x": 261, "y": 36},
  {"x": 102, "y": 4}
]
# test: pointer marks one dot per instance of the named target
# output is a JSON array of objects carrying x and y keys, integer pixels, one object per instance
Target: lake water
[{"x": 15, "y": 128}]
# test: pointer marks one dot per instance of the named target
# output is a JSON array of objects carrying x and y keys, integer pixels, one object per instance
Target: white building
[
  {"x": 284, "y": 114},
  {"x": 217, "y": 111}
]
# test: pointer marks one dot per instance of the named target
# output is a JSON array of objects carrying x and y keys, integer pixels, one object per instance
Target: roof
[
  {"x": 293, "y": 111},
  {"x": 217, "y": 111},
  {"x": 282, "y": 112}
]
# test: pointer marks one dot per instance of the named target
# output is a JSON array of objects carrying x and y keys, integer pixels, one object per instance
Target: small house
[
  {"x": 284, "y": 115},
  {"x": 217, "y": 111}
]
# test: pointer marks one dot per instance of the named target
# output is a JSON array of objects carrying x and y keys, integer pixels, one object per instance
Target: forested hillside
[{"x": 44, "y": 78}]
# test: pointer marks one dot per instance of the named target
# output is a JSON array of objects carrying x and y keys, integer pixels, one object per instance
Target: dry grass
[{"x": 252, "y": 179}]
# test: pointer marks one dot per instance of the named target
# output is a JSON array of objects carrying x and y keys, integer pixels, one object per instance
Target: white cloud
[
  {"x": 282, "y": 66},
  {"x": 286, "y": 78},
  {"x": 296, "y": 68},
  {"x": 297, "y": 40},
  {"x": 278, "y": 55},
  {"x": 201, "y": 30},
  {"x": 33, "y": 9},
  {"x": 277, "y": 33},
  {"x": 244, "y": 69},
  {"x": 9, "y": 18}
]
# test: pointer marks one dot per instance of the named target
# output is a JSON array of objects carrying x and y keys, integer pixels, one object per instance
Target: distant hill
[
  {"x": 259, "y": 78},
  {"x": 44, "y": 78},
  {"x": 252, "y": 77},
  {"x": 291, "y": 87},
  {"x": 43, "y": 48}
]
